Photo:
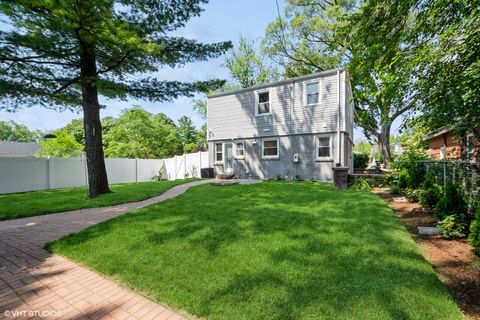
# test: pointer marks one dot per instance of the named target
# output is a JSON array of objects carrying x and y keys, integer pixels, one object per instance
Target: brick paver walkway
[{"x": 36, "y": 284}]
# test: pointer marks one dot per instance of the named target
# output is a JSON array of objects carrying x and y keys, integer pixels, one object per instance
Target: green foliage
[
  {"x": 452, "y": 227},
  {"x": 127, "y": 37},
  {"x": 360, "y": 160},
  {"x": 298, "y": 178},
  {"x": 15, "y": 132},
  {"x": 474, "y": 237},
  {"x": 301, "y": 41},
  {"x": 403, "y": 179},
  {"x": 189, "y": 139},
  {"x": 447, "y": 70},
  {"x": 136, "y": 133},
  {"x": 247, "y": 66},
  {"x": 361, "y": 184},
  {"x": 63, "y": 146},
  {"x": 412, "y": 194},
  {"x": 430, "y": 192},
  {"x": 451, "y": 202},
  {"x": 363, "y": 146},
  {"x": 394, "y": 188}
]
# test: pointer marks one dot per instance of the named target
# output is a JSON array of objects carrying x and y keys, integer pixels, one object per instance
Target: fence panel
[
  {"x": 148, "y": 168},
  {"x": 65, "y": 173},
  {"x": 19, "y": 174}
]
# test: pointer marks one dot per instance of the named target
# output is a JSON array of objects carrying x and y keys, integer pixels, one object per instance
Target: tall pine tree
[{"x": 63, "y": 54}]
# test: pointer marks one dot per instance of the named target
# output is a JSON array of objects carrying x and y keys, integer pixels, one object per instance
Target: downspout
[{"x": 338, "y": 120}]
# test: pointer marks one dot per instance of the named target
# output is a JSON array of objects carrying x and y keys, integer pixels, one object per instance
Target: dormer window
[
  {"x": 312, "y": 92},
  {"x": 263, "y": 102}
]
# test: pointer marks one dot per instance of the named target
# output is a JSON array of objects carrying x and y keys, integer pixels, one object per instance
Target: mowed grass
[
  {"x": 268, "y": 251},
  {"x": 26, "y": 204}
]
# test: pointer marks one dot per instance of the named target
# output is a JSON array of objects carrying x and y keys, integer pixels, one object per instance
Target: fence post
[
  {"x": 184, "y": 165},
  {"x": 136, "y": 170},
  {"x": 49, "y": 178},
  {"x": 175, "y": 171}
]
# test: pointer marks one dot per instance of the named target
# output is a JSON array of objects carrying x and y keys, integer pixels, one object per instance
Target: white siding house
[{"x": 301, "y": 126}]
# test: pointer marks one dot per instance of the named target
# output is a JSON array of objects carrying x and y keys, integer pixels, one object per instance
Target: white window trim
[
  {"x": 317, "y": 146},
  {"x": 278, "y": 148},
  {"x": 235, "y": 150},
  {"x": 257, "y": 92},
  {"x": 320, "y": 93},
  {"x": 223, "y": 153}
]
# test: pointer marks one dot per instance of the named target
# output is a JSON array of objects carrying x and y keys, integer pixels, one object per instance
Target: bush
[
  {"x": 406, "y": 162},
  {"x": 360, "y": 160},
  {"x": 474, "y": 237},
  {"x": 452, "y": 227},
  {"x": 430, "y": 193},
  {"x": 412, "y": 194},
  {"x": 451, "y": 202},
  {"x": 361, "y": 184},
  {"x": 394, "y": 188},
  {"x": 403, "y": 179}
]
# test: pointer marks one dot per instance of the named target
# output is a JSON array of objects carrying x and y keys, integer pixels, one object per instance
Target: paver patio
[{"x": 33, "y": 280}]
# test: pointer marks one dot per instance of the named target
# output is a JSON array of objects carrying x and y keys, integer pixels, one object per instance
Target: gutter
[{"x": 338, "y": 119}]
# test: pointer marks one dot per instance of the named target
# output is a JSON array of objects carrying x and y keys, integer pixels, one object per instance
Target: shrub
[
  {"x": 430, "y": 192},
  {"x": 298, "y": 178},
  {"x": 403, "y": 179},
  {"x": 394, "y": 188},
  {"x": 452, "y": 201},
  {"x": 474, "y": 237},
  {"x": 452, "y": 227},
  {"x": 412, "y": 194},
  {"x": 361, "y": 184},
  {"x": 360, "y": 160}
]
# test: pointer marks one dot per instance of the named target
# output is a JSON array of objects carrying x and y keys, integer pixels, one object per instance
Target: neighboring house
[
  {"x": 301, "y": 126},
  {"x": 17, "y": 149},
  {"x": 397, "y": 148},
  {"x": 445, "y": 144}
]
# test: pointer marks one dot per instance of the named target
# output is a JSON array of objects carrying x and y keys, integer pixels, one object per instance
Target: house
[
  {"x": 301, "y": 126},
  {"x": 17, "y": 149},
  {"x": 446, "y": 144}
]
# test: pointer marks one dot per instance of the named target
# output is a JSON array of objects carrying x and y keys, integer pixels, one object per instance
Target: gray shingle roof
[{"x": 8, "y": 148}]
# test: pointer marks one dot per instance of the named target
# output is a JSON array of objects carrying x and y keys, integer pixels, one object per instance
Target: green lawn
[
  {"x": 268, "y": 251},
  {"x": 26, "y": 204}
]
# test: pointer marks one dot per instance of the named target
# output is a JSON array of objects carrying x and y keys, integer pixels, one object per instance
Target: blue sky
[{"x": 222, "y": 20}]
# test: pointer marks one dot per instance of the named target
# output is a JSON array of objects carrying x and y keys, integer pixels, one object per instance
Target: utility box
[{"x": 296, "y": 158}]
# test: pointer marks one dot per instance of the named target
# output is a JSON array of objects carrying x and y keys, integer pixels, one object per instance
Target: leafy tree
[
  {"x": 139, "y": 134},
  {"x": 75, "y": 129},
  {"x": 363, "y": 146},
  {"x": 303, "y": 41},
  {"x": 247, "y": 66},
  {"x": 446, "y": 62},
  {"x": 63, "y": 146},
  {"x": 12, "y": 131},
  {"x": 63, "y": 54},
  {"x": 188, "y": 134}
]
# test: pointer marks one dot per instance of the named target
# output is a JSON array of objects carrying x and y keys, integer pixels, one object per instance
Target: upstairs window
[
  {"x": 270, "y": 148},
  {"x": 324, "y": 147},
  {"x": 263, "y": 103},
  {"x": 312, "y": 92},
  {"x": 218, "y": 152}
]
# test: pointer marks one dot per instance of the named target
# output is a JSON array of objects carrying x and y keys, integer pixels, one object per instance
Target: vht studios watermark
[{"x": 32, "y": 313}]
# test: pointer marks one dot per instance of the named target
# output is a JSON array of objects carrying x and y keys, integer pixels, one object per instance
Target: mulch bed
[{"x": 453, "y": 260}]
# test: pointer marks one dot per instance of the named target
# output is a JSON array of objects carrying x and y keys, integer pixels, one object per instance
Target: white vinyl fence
[{"x": 20, "y": 174}]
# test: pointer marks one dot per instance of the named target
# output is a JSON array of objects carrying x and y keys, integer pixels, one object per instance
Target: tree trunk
[
  {"x": 383, "y": 140},
  {"x": 97, "y": 173}
]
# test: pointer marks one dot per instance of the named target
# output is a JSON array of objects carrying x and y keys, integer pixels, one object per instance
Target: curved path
[{"x": 36, "y": 284}]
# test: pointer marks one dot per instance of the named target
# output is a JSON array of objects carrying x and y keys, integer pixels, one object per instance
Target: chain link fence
[{"x": 464, "y": 174}]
